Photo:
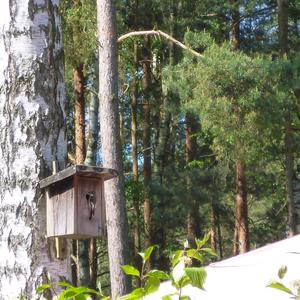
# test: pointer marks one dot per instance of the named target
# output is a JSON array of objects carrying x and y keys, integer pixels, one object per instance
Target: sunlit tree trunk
[
  {"x": 83, "y": 271},
  {"x": 241, "y": 242},
  {"x": 90, "y": 159},
  {"x": 134, "y": 143},
  {"x": 213, "y": 231},
  {"x": 193, "y": 219},
  {"x": 32, "y": 135},
  {"x": 283, "y": 6},
  {"x": 242, "y": 231},
  {"x": 146, "y": 139},
  {"x": 79, "y": 120},
  {"x": 117, "y": 229}
]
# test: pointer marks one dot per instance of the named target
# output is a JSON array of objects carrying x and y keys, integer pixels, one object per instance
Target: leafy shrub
[{"x": 182, "y": 274}]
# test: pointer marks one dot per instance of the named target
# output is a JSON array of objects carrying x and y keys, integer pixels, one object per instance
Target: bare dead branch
[
  {"x": 71, "y": 158},
  {"x": 161, "y": 34}
]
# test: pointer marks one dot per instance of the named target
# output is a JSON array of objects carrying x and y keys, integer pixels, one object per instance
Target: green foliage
[
  {"x": 230, "y": 90},
  {"x": 282, "y": 271},
  {"x": 181, "y": 274},
  {"x": 197, "y": 276},
  {"x": 70, "y": 292},
  {"x": 80, "y": 30},
  {"x": 199, "y": 41},
  {"x": 130, "y": 270},
  {"x": 294, "y": 292},
  {"x": 279, "y": 286},
  {"x": 241, "y": 99}
]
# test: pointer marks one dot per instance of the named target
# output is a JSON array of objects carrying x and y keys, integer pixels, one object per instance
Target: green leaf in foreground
[
  {"x": 282, "y": 271},
  {"x": 41, "y": 288},
  {"x": 193, "y": 253},
  {"x": 130, "y": 270},
  {"x": 185, "y": 280},
  {"x": 209, "y": 252},
  {"x": 134, "y": 295},
  {"x": 185, "y": 298},
  {"x": 201, "y": 243},
  {"x": 197, "y": 276},
  {"x": 158, "y": 274},
  {"x": 176, "y": 257},
  {"x": 178, "y": 271},
  {"x": 151, "y": 285},
  {"x": 148, "y": 253},
  {"x": 64, "y": 284},
  {"x": 279, "y": 286}
]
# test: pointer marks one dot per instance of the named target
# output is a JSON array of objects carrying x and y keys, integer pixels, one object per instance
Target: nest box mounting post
[{"x": 75, "y": 202}]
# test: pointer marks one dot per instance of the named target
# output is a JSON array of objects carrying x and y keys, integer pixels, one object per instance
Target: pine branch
[{"x": 161, "y": 34}]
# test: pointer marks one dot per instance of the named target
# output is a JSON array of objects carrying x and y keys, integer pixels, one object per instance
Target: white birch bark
[{"x": 31, "y": 136}]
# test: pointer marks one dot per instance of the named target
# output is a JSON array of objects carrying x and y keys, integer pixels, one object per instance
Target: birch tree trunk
[
  {"x": 117, "y": 230},
  {"x": 32, "y": 135}
]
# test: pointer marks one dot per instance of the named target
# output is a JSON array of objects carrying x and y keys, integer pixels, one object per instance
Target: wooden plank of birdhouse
[
  {"x": 57, "y": 246},
  {"x": 62, "y": 205},
  {"x": 89, "y": 226},
  {"x": 103, "y": 211}
]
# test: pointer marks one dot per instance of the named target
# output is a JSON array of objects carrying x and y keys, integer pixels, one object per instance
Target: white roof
[{"x": 244, "y": 277}]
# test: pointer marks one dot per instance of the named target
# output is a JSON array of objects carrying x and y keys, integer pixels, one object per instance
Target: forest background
[
  {"x": 210, "y": 142},
  {"x": 195, "y": 103}
]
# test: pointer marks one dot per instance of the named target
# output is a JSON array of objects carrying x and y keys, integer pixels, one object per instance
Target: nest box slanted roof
[{"x": 80, "y": 170}]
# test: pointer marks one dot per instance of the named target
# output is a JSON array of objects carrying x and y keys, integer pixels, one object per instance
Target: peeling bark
[{"x": 32, "y": 135}]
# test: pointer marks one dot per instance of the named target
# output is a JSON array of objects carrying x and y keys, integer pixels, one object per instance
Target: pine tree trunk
[
  {"x": 193, "y": 219},
  {"x": 242, "y": 230},
  {"x": 90, "y": 159},
  {"x": 219, "y": 231},
  {"x": 135, "y": 171},
  {"x": 289, "y": 174},
  {"x": 146, "y": 139},
  {"x": 235, "y": 25},
  {"x": 283, "y": 6},
  {"x": 213, "y": 222},
  {"x": 83, "y": 270},
  {"x": 32, "y": 126},
  {"x": 93, "y": 131},
  {"x": 117, "y": 229},
  {"x": 79, "y": 114}
]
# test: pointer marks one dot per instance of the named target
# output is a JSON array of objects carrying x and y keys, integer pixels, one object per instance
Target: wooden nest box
[{"x": 75, "y": 202}]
